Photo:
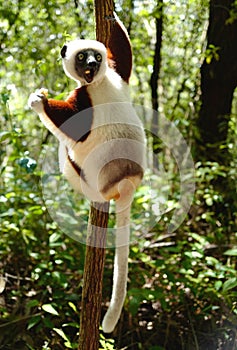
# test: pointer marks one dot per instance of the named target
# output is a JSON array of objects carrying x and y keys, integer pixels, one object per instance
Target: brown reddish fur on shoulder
[{"x": 78, "y": 104}]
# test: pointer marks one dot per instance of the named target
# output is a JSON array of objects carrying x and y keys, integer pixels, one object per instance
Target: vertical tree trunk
[
  {"x": 92, "y": 279},
  {"x": 218, "y": 81},
  {"x": 103, "y": 10},
  {"x": 97, "y": 226},
  {"x": 154, "y": 82}
]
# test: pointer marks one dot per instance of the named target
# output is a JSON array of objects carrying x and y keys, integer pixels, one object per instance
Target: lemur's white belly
[
  {"x": 111, "y": 120},
  {"x": 116, "y": 133}
]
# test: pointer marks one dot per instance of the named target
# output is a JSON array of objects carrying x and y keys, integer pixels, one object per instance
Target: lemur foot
[{"x": 36, "y": 100}]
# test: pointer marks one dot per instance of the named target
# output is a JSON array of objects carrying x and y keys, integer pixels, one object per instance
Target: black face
[{"x": 87, "y": 64}]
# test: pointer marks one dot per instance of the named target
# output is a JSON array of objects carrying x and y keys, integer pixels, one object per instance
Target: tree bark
[
  {"x": 156, "y": 143},
  {"x": 97, "y": 227},
  {"x": 93, "y": 277},
  {"x": 218, "y": 81},
  {"x": 103, "y": 11}
]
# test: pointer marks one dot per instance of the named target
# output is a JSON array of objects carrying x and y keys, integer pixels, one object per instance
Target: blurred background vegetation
[{"x": 182, "y": 287}]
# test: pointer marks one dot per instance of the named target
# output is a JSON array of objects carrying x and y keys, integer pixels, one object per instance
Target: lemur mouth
[{"x": 90, "y": 73}]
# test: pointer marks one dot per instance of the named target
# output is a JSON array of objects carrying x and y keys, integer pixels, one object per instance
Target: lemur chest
[
  {"x": 111, "y": 89},
  {"x": 111, "y": 112},
  {"x": 110, "y": 100}
]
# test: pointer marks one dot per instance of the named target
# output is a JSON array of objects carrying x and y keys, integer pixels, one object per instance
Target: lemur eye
[
  {"x": 80, "y": 56},
  {"x": 98, "y": 57}
]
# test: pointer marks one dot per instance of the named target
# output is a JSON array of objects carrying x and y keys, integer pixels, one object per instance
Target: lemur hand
[{"x": 36, "y": 100}]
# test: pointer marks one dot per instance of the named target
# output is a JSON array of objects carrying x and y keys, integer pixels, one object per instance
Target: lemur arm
[
  {"x": 64, "y": 116},
  {"x": 119, "y": 49}
]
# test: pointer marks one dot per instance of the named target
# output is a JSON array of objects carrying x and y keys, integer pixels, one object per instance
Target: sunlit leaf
[
  {"x": 230, "y": 284},
  {"x": 231, "y": 252},
  {"x": 2, "y": 284},
  {"x": 64, "y": 336},
  {"x": 50, "y": 309},
  {"x": 72, "y": 306}
]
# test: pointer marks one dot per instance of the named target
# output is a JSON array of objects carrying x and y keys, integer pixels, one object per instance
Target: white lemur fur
[{"x": 101, "y": 138}]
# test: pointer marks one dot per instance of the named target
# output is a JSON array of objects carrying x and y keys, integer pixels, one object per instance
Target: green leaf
[
  {"x": 208, "y": 59},
  {"x": 193, "y": 255},
  {"x": 218, "y": 285},
  {"x": 63, "y": 335},
  {"x": 28, "y": 164},
  {"x": 33, "y": 322},
  {"x": 32, "y": 303},
  {"x": 72, "y": 306},
  {"x": 231, "y": 252},
  {"x": 54, "y": 237},
  {"x": 230, "y": 284},
  {"x": 4, "y": 135},
  {"x": 50, "y": 309}
]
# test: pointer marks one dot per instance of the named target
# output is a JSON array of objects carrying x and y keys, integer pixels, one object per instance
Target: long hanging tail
[{"x": 120, "y": 263}]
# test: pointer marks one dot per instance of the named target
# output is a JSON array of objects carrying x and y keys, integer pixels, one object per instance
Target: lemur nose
[{"x": 92, "y": 64}]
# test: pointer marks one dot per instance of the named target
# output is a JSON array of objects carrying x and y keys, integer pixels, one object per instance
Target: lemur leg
[{"x": 123, "y": 208}]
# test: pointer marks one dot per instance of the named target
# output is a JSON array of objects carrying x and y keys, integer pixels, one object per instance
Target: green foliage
[
  {"x": 106, "y": 344},
  {"x": 233, "y": 13},
  {"x": 212, "y": 53}
]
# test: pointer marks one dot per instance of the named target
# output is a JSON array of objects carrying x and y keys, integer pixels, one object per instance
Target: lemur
[{"x": 102, "y": 141}]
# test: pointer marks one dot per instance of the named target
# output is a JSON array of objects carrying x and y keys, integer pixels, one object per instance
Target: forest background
[{"x": 182, "y": 284}]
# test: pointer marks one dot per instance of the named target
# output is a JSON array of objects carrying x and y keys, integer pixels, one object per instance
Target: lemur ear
[{"x": 63, "y": 51}]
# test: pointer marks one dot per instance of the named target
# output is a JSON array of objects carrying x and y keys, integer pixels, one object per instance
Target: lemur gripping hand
[{"x": 36, "y": 100}]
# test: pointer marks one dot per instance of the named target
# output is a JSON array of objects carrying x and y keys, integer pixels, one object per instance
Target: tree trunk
[
  {"x": 218, "y": 81},
  {"x": 93, "y": 276},
  {"x": 103, "y": 11},
  {"x": 156, "y": 143},
  {"x": 97, "y": 227}
]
